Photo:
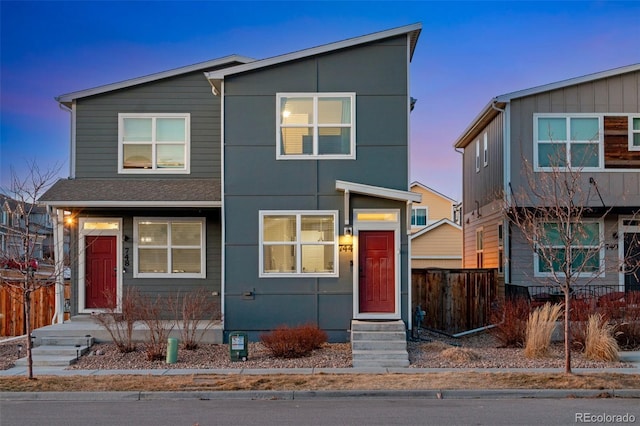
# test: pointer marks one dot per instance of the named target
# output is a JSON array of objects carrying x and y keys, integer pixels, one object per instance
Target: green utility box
[
  {"x": 238, "y": 346},
  {"x": 172, "y": 350}
]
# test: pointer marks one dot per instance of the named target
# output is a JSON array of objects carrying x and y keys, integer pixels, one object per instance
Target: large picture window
[
  {"x": 153, "y": 143},
  {"x": 577, "y": 248},
  {"x": 568, "y": 141},
  {"x": 315, "y": 125},
  {"x": 298, "y": 243},
  {"x": 169, "y": 247}
]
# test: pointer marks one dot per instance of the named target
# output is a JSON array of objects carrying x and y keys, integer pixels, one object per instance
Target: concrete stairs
[
  {"x": 57, "y": 351},
  {"x": 379, "y": 344}
]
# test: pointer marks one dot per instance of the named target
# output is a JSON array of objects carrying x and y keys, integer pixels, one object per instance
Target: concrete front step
[
  {"x": 381, "y": 364},
  {"x": 50, "y": 356},
  {"x": 379, "y": 345},
  {"x": 386, "y": 326},
  {"x": 46, "y": 340},
  {"x": 379, "y": 335},
  {"x": 370, "y": 355}
]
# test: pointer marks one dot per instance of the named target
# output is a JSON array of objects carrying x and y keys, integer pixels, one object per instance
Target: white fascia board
[
  {"x": 378, "y": 191},
  {"x": 413, "y": 30},
  {"x": 69, "y": 97},
  {"x": 184, "y": 204},
  {"x": 569, "y": 82}
]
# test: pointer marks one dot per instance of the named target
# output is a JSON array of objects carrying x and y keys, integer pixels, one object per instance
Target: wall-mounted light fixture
[{"x": 348, "y": 231}]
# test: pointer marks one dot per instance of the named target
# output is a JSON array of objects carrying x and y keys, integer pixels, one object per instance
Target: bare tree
[
  {"x": 554, "y": 214},
  {"x": 23, "y": 235}
]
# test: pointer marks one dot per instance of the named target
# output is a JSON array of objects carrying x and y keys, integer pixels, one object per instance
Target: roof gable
[
  {"x": 413, "y": 31},
  {"x": 431, "y": 190},
  {"x": 231, "y": 59}
]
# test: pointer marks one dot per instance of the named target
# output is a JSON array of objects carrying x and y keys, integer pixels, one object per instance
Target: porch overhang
[
  {"x": 374, "y": 191},
  {"x": 119, "y": 193}
]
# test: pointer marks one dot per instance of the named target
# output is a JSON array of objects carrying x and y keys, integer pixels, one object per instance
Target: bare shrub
[
  {"x": 151, "y": 314},
  {"x": 542, "y": 322},
  {"x": 285, "y": 342},
  {"x": 628, "y": 321},
  {"x": 510, "y": 320},
  {"x": 120, "y": 323},
  {"x": 600, "y": 343},
  {"x": 459, "y": 354},
  {"x": 192, "y": 310}
]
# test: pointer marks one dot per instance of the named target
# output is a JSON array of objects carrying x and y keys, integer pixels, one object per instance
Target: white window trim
[
  {"x": 632, "y": 132},
  {"x": 500, "y": 237},
  {"x": 175, "y": 275},
  {"x": 426, "y": 215},
  {"x": 486, "y": 149},
  {"x": 599, "y": 273},
  {"x": 477, "y": 155},
  {"x": 567, "y": 117},
  {"x": 298, "y": 244},
  {"x": 154, "y": 169},
  {"x": 316, "y": 96},
  {"x": 82, "y": 234}
]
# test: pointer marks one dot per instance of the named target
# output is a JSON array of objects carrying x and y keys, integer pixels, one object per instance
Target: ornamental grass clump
[
  {"x": 600, "y": 342},
  {"x": 542, "y": 322}
]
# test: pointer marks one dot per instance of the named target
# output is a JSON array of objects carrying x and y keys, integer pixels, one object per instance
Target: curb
[{"x": 308, "y": 395}]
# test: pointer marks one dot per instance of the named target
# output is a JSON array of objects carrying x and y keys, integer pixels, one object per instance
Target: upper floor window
[
  {"x": 316, "y": 125},
  {"x": 303, "y": 243},
  {"x": 634, "y": 133},
  {"x": 171, "y": 248},
  {"x": 153, "y": 143},
  {"x": 486, "y": 149},
  {"x": 419, "y": 216},
  {"x": 567, "y": 141},
  {"x": 477, "y": 155}
]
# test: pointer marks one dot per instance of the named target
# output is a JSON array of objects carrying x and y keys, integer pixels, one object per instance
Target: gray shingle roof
[{"x": 134, "y": 192}]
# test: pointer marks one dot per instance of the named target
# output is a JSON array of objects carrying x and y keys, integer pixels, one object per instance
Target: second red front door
[{"x": 376, "y": 272}]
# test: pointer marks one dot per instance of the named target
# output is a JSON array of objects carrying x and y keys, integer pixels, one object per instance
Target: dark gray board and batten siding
[{"x": 255, "y": 181}]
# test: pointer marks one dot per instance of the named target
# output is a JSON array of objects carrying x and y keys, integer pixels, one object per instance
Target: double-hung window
[
  {"x": 568, "y": 141},
  {"x": 419, "y": 216},
  {"x": 575, "y": 247},
  {"x": 316, "y": 125},
  {"x": 169, "y": 247},
  {"x": 634, "y": 133},
  {"x": 301, "y": 243},
  {"x": 480, "y": 247},
  {"x": 153, "y": 143}
]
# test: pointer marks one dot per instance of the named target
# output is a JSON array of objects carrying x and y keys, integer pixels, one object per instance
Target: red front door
[
  {"x": 377, "y": 272},
  {"x": 100, "y": 272}
]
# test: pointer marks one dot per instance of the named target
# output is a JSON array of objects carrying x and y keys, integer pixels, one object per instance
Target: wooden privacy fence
[
  {"x": 12, "y": 309},
  {"x": 455, "y": 300}
]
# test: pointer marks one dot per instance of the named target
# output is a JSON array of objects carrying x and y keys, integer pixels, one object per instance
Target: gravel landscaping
[{"x": 434, "y": 351}]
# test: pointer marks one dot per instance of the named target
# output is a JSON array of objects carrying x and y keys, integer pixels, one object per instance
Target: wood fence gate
[{"x": 455, "y": 300}]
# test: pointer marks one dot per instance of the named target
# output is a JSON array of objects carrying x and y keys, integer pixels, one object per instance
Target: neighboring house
[
  {"x": 279, "y": 185},
  {"x": 593, "y": 124},
  {"x": 436, "y": 239},
  {"x": 13, "y": 230}
]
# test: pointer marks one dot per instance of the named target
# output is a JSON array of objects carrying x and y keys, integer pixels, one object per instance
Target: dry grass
[
  {"x": 459, "y": 354},
  {"x": 234, "y": 382},
  {"x": 542, "y": 322},
  {"x": 600, "y": 341}
]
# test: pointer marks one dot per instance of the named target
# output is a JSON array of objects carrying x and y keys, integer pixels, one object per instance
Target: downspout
[{"x": 72, "y": 137}]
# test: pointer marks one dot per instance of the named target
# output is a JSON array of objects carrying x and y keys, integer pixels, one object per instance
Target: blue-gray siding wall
[
  {"x": 97, "y": 125},
  {"x": 255, "y": 181}
]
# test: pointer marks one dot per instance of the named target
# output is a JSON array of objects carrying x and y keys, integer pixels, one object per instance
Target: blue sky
[{"x": 468, "y": 52}]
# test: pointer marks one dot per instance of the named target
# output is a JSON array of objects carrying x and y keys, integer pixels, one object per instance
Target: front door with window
[
  {"x": 377, "y": 272},
  {"x": 632, "y": 261},
  {"x": 100, "y": 272}
]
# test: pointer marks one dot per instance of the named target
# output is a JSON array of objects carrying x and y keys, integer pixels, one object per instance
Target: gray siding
[
  {"x": 377, "y": 74},
  {"x": 97, "y": 125},
  {"x": 614, "y": 95}
]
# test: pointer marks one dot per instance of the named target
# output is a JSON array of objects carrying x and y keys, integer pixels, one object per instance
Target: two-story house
[
  {"x": 587, "y": 128},
  {"x": 279, "y": 185},
  {"x": 436, "y": 231},
  {"x": 16, "y": 239}
]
